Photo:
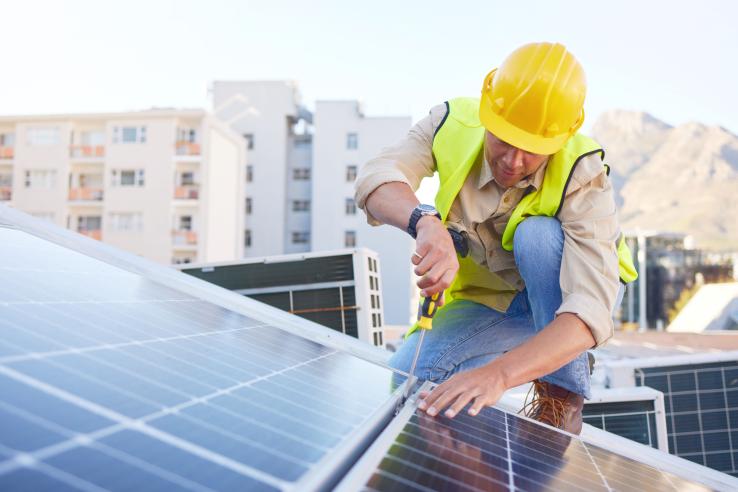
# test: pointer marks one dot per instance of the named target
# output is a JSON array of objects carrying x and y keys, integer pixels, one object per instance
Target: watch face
[{"x": 427, "y": 209}]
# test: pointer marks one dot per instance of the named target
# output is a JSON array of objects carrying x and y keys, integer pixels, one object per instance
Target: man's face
[{"x": 510, "y": 164}]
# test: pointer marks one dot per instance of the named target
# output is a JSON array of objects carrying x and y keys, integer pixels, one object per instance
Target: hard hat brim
[{"x": 516, "y": 137}]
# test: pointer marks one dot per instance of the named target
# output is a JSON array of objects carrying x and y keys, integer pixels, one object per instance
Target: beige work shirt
[{"x": 589, "y": 268}]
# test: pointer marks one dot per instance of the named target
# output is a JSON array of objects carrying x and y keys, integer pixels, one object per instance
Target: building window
[
  {"x": 249, "y": 173},
  {"x": 301, "y": 205},
  {"x": 350, "y": 239},
  {"x": 376, "y": 339},
  {"x": 352, "y": 141},
  {"x": 89, "y": 223},
  {"x": 7, "y": 140},
  {"x": 40, "y": 179},
  {"x": 249, "y": 205},
  {"x": 351, "y": 173},
  {"x": 187, "y": 178},
  {"x": 127, "y": 177},
  {"x": 350, "y": 206},
  {"x": 374, "y": 320},
  {"x": 188, "y": 135},
  {"x": 301, "y": 173},
  {"x": 181, "y": 260},
  {"x": 129, "y": 134},
  {"x": 185, "y": 223},
  {"x": 247, "y": 238},
  {"x": 300, "y": 237},
  {"x": 249, "y": 137},
  {"x": 126, "y": 221},
  {"x": 43, "y": 136}
]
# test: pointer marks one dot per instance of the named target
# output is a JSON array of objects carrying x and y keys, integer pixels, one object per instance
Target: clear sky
[{"x": 673, "y": 59}]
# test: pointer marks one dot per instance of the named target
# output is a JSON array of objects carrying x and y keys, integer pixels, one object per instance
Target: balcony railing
[
  {"x": 6, "y": 193},
  {"x": 7, "y": 152},
  {"x": 184, "y": 238},
  {"x": 93, "y": 233},
  {"x": 87, "y": 151},
  {"x": 187, "y": 148},
  {"x": 187, "y": 192},
  {"x": 85, "y": 193}
]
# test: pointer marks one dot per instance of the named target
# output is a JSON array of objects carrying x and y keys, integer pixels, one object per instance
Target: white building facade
[
  {"x": 164, "y": 184},
  {"x": 345, "y": 139},
  {"x": 300, "y": 174}
]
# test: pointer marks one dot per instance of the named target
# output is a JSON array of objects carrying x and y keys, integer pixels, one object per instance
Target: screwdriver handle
[{"x": 427, "y": 309}]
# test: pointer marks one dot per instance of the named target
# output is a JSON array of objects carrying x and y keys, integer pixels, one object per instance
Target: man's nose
[{"x": 514, "y": 157}]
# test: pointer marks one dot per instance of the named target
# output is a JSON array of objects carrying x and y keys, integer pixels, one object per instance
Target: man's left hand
[{"x": 482, "y": 386}]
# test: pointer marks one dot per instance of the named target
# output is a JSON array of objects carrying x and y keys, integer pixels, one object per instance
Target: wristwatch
[{"x": 418, "y": 212}]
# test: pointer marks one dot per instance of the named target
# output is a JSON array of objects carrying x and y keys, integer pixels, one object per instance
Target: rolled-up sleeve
[
  {"x": 408, "y": 161},
  {"x": 589, "y": 267}
]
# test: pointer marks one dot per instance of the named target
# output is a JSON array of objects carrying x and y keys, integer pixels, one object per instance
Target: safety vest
[{"x": 456, "y": 146}]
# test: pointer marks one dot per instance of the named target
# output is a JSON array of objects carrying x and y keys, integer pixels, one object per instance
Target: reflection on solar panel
[
  {"x": 108, "y": 379},
  {"x": 701, "y": 402},
  {"x": 496, "y": 451}
]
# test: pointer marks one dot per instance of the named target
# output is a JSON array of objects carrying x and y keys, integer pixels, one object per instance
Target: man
[{"x": 532, "y": 200}]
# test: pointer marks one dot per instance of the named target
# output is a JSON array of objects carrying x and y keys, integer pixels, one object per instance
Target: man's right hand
[{"x": 438, "y": 266}]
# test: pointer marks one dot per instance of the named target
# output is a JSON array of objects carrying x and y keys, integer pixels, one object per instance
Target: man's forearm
[
  {"x": 392, "y": 203},
  {"x": 561, "y": 341}
]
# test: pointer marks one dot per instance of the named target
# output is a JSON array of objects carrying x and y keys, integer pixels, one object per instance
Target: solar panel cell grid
[
  {"x": 700, "y": 402},
  {"x": 114, "y": 381},
  {"x": 499, "y": 451}
]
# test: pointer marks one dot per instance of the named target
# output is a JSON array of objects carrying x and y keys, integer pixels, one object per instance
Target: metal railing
[
  {"x": 86, "y": 150},
  {"x": 184, "y": 238},
  {"x": 187, "y": 192},
  {"x": 187, "y": 148},
  {"x": 86, "y": 193}
]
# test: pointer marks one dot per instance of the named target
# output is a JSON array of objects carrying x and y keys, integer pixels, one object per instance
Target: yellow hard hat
[{"x": 534, "y": 100}]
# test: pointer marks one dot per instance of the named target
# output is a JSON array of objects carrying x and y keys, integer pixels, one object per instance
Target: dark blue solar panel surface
[
  {"x": 500, "y": 451},
  {"x": 109, "y": 380},
  {"x": 701, "y": 403}
]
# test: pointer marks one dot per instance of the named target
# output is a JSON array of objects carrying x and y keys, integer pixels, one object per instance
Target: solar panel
[
  {"x": 496, "y": 450},
  {"x": 111, "y": 380},
  {"x": 634, "y": 420},
  {"x": 701, "y": 403}
]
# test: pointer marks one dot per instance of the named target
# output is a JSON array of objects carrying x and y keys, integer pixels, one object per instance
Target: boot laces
[{"x": 542, "y": 407}]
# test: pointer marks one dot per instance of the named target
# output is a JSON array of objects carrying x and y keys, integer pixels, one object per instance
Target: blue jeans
[{"x": 467, "y": 335}]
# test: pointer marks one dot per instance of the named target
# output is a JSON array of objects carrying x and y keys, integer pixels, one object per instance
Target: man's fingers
[
  {"x": 460, "y": 403},
  {"x": 479, "y": 403},
  {"x": 442, "y": 402}
]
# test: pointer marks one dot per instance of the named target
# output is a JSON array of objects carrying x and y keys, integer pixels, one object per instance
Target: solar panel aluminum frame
[
  {"x": 639, "y": 393},
  {"x": 198, "y": 288},
  {"x": 358, "y": 476}
]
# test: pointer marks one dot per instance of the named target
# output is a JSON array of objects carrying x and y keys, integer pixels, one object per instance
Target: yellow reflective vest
[{"x": 456, "y": 146}]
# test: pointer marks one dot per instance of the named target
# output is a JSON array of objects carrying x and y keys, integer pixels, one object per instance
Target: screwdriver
[{"x": 426, "y": 310}]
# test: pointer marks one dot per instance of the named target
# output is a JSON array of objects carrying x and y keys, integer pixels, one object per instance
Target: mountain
[{"x": 680, "y": 179}]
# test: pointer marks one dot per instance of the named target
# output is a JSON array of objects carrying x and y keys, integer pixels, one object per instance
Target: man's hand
[
  {"x": 484, "y": 386},
  {"x": 439, "y": 264}
]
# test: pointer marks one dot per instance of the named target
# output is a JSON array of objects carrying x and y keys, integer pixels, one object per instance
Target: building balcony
[
  {"x": 86, "y": 151},
  {"x": 7, "y": 152},
  {"x": 86, "y": 194},
  {"x": 187, "y": 192},
  {"x": 187, "y": 148},
  {"x": 6, "y": 193},
  {"x": 184, "y": 238},
  {"x": 93, "y": 233}
]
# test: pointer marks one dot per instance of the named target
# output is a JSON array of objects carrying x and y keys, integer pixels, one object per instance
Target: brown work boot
[{"x": 555, "y": 406}]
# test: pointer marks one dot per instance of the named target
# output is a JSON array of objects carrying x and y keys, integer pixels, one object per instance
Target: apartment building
[
  {"x": 300, "y": 177},
  {"x": 345, "y": 139},
  {"x": 164, "y": 184},
  {"x": 274, "y": 124}
]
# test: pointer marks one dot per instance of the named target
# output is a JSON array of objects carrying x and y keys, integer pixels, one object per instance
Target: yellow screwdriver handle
[{"x": 427, "y": 309}]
